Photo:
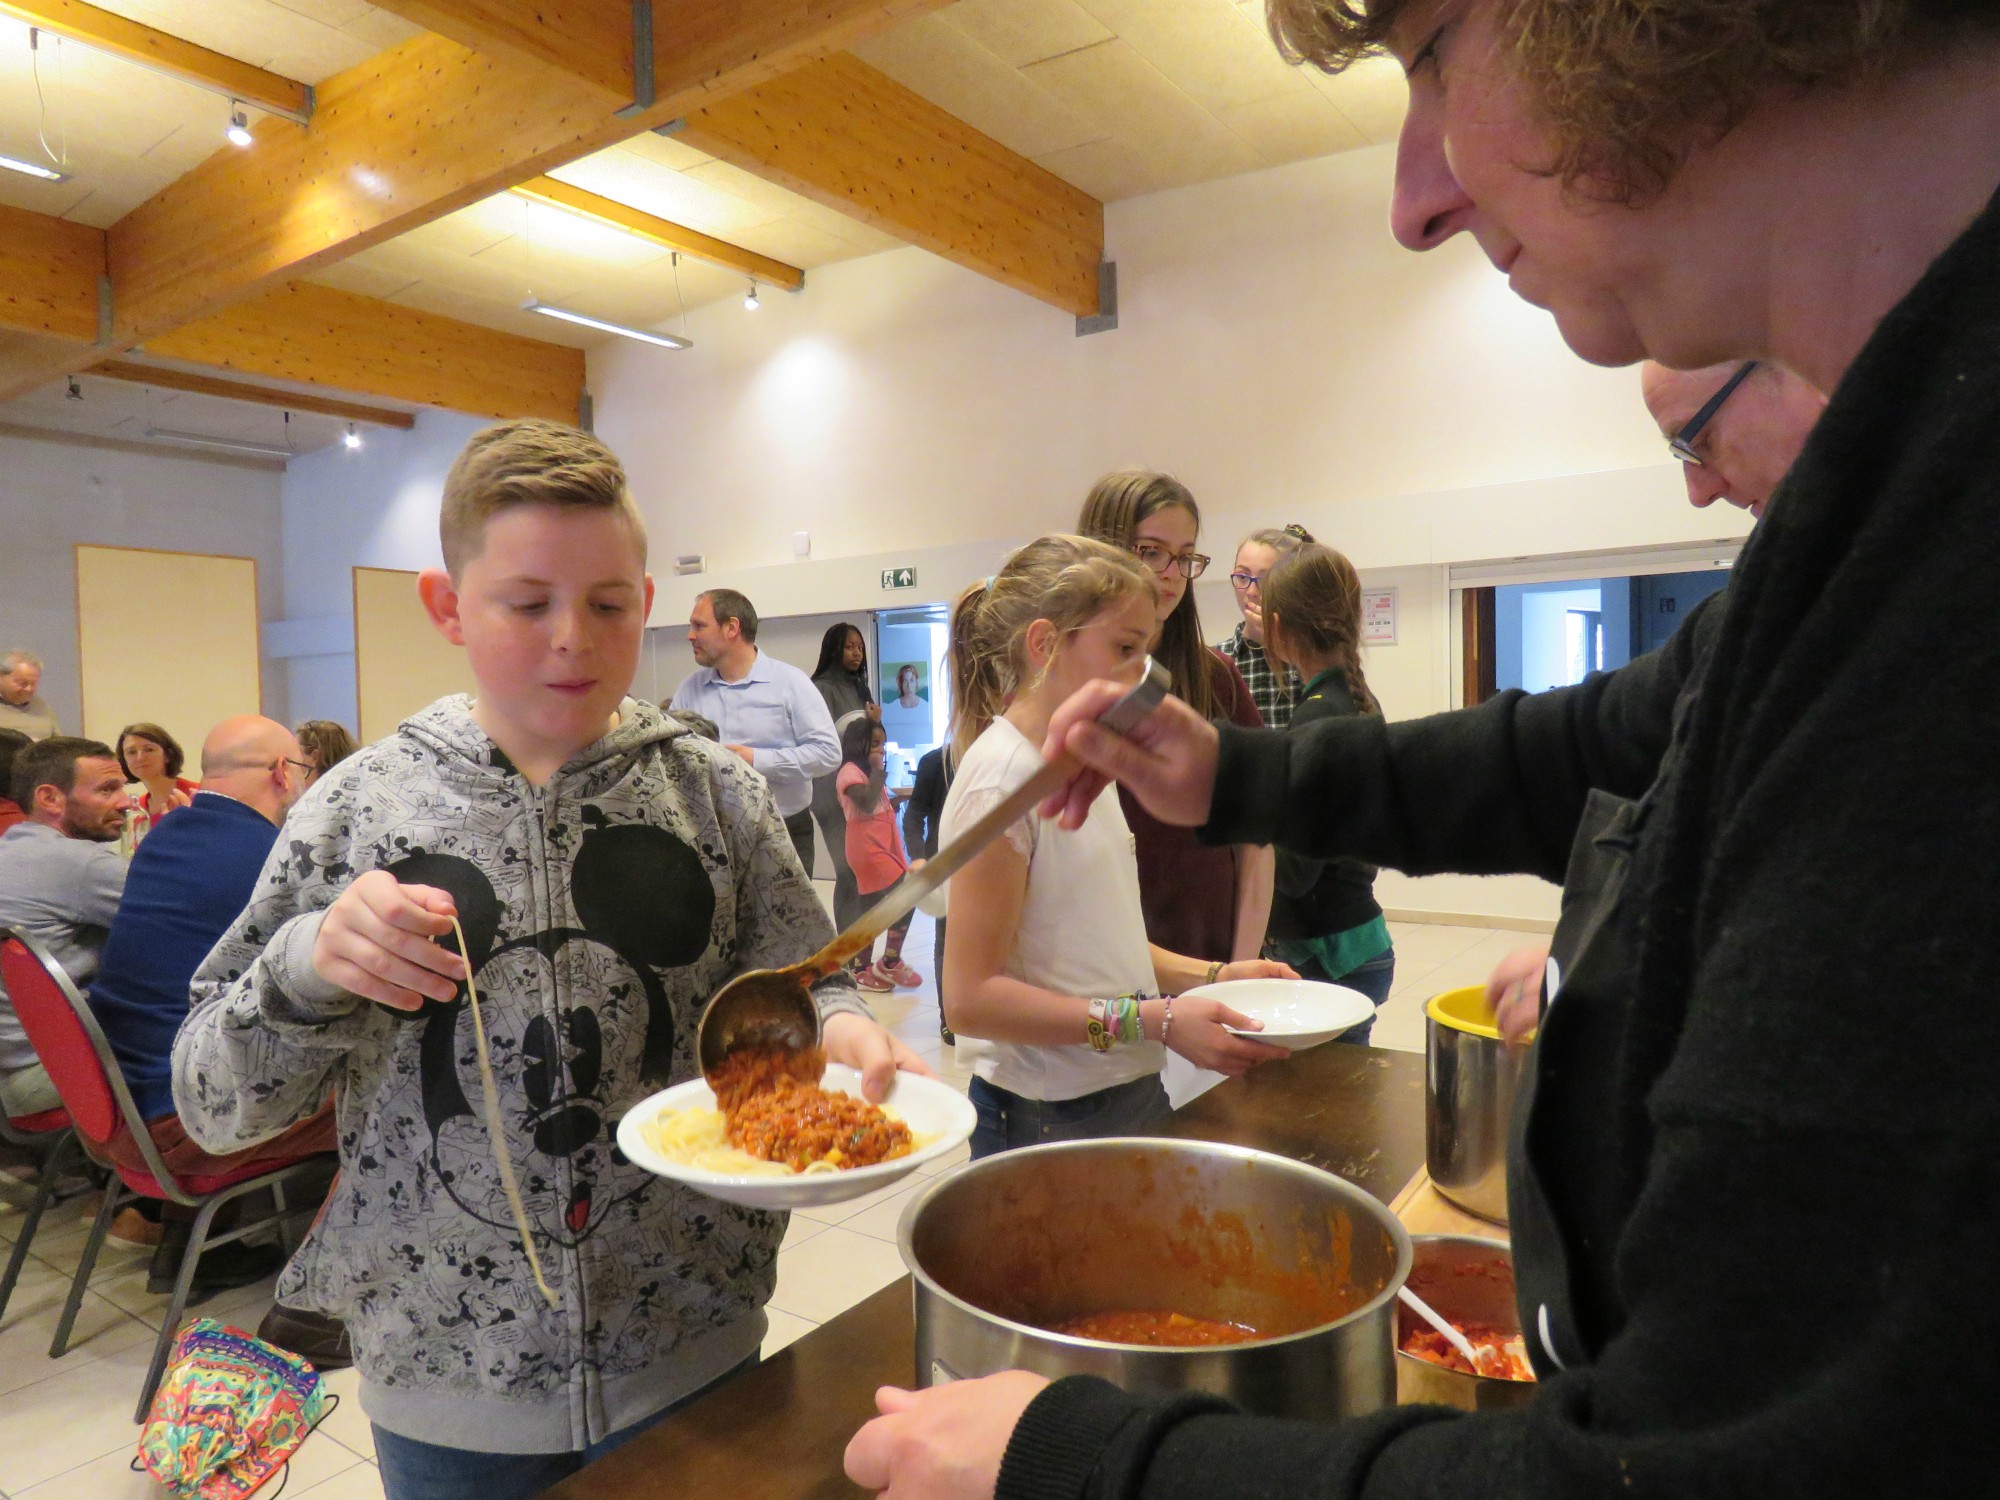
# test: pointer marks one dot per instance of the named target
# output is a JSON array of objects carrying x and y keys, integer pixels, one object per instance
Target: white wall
[
  {"x": 58, "y": 490},
  {"x": 377, "y": 507}
]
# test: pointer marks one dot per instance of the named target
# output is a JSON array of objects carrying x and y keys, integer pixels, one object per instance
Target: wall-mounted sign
[
  {"x": 1378, "y": 617},
  {"x": 899, "y": 578}
]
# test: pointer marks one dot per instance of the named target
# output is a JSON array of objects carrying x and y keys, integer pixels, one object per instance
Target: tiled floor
[{"x": 66, "y": 1429}]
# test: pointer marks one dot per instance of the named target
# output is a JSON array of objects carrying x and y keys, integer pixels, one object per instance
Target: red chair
[
  {"x": 86, "y": 1074},
  {"x": 49, "y": 1137}
]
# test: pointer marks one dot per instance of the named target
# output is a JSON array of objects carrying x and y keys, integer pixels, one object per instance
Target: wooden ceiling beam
[
  {"x": 319, "y": 336},
  {"x": 590, "y": 40},
  {"x": 152, "y": 48},
  {"x": 261, "y": 395},
  {"x": 848, "y": 136},
  {"x": 49, "y": 273},
  {"x": 650, "y": 227},
  {"x": 418, "y": 132}
]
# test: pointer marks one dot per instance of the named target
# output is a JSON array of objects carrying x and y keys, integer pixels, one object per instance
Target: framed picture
[{"x": 906, "y": 685}]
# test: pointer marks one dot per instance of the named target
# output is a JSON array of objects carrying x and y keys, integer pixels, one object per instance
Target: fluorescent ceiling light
[
  {"x": 203, "y": 440},
  {"x": 644, "y": 336},
  {"x": 32, "y": 169}
]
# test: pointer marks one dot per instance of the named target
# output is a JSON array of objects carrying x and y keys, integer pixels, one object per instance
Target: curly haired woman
[{"x": 1748, "y": 1218}]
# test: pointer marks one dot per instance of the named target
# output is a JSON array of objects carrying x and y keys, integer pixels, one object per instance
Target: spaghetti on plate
[{"x": 774, "y": 1120}]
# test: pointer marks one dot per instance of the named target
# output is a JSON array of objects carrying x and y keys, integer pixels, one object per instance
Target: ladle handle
[{"x": 941, "y": 866}]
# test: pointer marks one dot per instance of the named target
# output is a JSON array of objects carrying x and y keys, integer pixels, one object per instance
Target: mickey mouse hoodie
[{"x": 601, "y": 911}]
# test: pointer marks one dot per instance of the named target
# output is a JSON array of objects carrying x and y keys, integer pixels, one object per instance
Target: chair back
[{"x": 71, "y": 1045}]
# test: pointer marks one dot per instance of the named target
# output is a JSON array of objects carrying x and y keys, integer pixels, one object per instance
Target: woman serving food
[{"x": 1743, "y": 1225}]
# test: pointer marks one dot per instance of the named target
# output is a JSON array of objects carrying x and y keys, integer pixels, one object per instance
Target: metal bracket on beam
[
  {"x": 673, "y": 127},
  {"x": 586, "y": 411},
  {"x": 105, "y": 311},
  {"x": 1106, "y": 316},
  {"x": 642, "y": 60}
]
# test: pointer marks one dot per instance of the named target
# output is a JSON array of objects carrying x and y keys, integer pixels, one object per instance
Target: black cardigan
[
  {"x": 1802, "y": 1154},
  {"x": 1313, "y": 898}
]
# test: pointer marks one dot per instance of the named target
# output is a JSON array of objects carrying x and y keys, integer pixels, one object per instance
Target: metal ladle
[{"x": 774, "y": 1007}]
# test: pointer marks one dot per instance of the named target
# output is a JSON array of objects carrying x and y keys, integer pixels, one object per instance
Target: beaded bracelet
[{"x": 1166, "y": 1020}]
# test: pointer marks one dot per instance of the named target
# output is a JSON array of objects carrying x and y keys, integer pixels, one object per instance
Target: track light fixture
[
  {"x": 352, "y": 438},
  {"x": 239, "y": 125},
  {"x": 75, "y": 390},
  {"x": 750, "y": 303}
]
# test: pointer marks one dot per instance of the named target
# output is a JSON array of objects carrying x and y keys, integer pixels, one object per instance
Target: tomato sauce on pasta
[{"x": 774, "y": 1109}]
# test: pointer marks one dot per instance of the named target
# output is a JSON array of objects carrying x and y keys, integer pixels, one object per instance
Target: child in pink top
[{"x": 874, "y": 847}]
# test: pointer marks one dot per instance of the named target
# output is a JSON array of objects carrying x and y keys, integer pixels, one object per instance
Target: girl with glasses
[
  {"x": 1274, "y": 687},
  {"x": 1209, "y": 901}
]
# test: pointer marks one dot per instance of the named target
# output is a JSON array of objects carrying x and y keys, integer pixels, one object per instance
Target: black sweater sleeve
[{"x": 1491, "y": 790}]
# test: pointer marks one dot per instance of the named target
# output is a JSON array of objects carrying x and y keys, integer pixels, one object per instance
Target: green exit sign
[{"x": 899, "y": 578}]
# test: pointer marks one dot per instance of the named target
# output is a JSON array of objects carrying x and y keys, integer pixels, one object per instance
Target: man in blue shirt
[
  {"x": 188, "y": 882},
  {"x": 769, "y": 712}
]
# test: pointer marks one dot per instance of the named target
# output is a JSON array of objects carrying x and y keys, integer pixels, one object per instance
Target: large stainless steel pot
[
  {"x": 1006, "y": 1246},
  {"x": 1470, "y": 1078}
]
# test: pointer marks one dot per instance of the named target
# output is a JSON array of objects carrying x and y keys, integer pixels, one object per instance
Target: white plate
[
  {"x": 928, "y": 1107},
  {"x": 1297, "y": 1013}
]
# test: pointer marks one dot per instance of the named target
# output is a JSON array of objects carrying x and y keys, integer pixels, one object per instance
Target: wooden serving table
[{"x": 778, "y": 1432}]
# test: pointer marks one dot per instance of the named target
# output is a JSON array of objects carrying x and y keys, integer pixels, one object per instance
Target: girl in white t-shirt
[{"x": 1045, "y": 951}]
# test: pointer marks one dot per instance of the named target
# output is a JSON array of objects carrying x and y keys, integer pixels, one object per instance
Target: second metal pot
[
  {"x": 1470, "y": 1078},
  {"x": 1005, "y": 1247}
]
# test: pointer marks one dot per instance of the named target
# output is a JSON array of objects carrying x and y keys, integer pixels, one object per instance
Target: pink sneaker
[
  {"x": 873, "y": 979},
  {"x": 902, "y": 974}
]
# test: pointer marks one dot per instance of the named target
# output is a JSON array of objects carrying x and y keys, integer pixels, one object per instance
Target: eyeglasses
[
  {"x": 304, "y": 765},
  {"x": 1242, "y": 581},
  {"x": 1159, "y": 559},
  {"x": 1682, "y": 442}
]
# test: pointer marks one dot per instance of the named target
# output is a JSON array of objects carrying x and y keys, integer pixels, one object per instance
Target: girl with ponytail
[
  {"x": 1324, "y": 917},
  {"x": 1050, "y": 984}
]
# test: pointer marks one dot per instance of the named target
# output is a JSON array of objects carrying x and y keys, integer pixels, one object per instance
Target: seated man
[
  {"x": 12, "y": 743},
  {"x": 60, "y": 880},
  {"x": 189, "y": 881}
]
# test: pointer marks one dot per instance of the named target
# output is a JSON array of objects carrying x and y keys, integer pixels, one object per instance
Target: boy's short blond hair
[{"x": 531, "y": 461}]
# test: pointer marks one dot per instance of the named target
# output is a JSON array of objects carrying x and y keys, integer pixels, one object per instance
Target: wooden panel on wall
[
  {"x": 168, "y": 637},
  {"x": 401, "y": 663}
]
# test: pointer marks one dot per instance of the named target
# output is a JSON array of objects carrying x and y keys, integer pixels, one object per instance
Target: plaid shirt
[{"x": 1275, "y": 697}]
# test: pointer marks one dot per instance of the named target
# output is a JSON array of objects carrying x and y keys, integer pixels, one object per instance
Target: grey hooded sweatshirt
[{"x": 601, "y": 911}]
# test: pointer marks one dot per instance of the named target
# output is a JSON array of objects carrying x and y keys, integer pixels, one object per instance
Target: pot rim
[{"x": 1398, "y": 1235}]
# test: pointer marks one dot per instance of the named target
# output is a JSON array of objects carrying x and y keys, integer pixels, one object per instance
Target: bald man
[
  {"x": 188, "y": 881},
  {"x": 1739, "y": 448}
]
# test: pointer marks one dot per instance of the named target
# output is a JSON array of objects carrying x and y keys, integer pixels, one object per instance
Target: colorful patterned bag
[{"x": 229, "y": 1413}]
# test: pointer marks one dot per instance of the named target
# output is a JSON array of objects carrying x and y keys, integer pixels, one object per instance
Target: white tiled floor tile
[
  {"x": 946, "y": 1162},
  {"x": 347, "y": 1424},
  {"x": 831, "y": 1272},
  {"x": 783, "y": 1329},
  {"x": 71, "y": 1418},
  {"x": 840, "y": 1213},
  {"x": 800, "y": 1230},
  {"x": 102, "y": 1330},
  {"x": 318, "y": 1459},
  {"x": 880, "y": 1219},
  {"x": 362, "y": 1482}
]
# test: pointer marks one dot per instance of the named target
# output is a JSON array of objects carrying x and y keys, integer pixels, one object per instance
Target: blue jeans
[
  {"x": 413, "y": 1470},
  {"x": 1008, "y": 1121}
]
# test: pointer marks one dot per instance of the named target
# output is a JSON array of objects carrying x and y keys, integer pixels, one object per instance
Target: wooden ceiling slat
[
  {"x": 846, "y": 135},
  {"x": 262, "y": 395},
  {"x": 156, "y": 49},
  {"x": 663, "y": 232},
  {"x": 319, "y": 336}
]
